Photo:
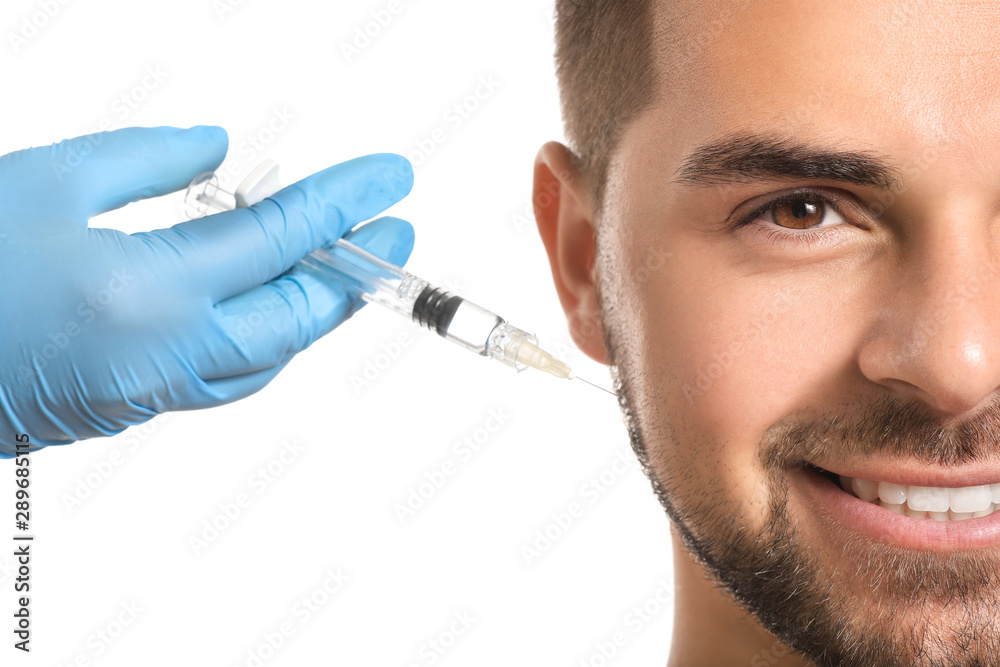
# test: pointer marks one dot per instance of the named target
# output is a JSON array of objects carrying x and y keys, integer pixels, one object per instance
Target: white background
[{"x": 107, "y": 542}]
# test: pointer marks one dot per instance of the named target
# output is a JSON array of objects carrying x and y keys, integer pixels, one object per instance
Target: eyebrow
[{"x": 746, "y": 157}]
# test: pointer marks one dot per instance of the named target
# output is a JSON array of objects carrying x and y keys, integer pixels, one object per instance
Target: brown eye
[{"x": 801, "y": 214}]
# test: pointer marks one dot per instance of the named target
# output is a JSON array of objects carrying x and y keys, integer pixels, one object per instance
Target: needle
[{"x": 577, "y": 377}]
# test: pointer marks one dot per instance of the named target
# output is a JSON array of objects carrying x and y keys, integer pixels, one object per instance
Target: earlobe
[{"x": 565, "y": 219}]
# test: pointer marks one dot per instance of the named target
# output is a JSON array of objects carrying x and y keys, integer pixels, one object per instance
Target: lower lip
[{"x": 882, "y": 525}]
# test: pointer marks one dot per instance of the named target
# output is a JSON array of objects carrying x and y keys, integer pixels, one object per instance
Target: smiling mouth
[{"x": 920, "y": 502}]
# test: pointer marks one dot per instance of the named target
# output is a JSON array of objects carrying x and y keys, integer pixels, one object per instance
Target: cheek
[{"x": 718, "y": 354}]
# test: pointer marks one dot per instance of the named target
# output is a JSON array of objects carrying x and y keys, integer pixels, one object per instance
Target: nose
[{"x": 937, "y": 338}]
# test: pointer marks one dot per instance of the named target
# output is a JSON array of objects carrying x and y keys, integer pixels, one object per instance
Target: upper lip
[{"x": 913, "y": 473}]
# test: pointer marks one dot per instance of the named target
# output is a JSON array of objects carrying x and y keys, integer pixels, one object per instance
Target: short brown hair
[{"x": 605, "y": 67}]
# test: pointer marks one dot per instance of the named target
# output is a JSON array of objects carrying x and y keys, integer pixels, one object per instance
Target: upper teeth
[{"x": 963, "y": 502}]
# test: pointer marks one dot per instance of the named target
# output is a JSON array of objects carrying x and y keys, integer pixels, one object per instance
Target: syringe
[{"x": 376, "y": 281}]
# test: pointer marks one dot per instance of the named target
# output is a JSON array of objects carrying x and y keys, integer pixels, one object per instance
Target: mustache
[{"x": 889, "y": 426}]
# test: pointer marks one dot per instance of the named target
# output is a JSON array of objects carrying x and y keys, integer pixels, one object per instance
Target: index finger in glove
[
  {"x": 231, "y": 252},
  {"x": 82, "y": 177}
]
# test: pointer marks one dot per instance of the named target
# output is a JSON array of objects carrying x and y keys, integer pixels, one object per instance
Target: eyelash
[{"x": 777, "y": 234}]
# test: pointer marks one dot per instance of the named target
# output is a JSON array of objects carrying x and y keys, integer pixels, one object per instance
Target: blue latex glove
[{"x": 101, "y": 330}]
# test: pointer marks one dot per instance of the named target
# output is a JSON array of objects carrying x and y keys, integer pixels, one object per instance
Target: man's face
[{"x": 855, "y": 327}]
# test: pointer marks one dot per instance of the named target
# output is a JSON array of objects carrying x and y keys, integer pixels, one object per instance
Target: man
[{"x": 777, "y": 222}]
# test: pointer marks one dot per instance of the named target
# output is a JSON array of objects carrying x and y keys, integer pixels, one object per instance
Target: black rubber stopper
[{"x": 435, "y": 309}]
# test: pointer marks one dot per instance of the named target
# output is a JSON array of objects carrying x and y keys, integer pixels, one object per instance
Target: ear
[{"x": 566, "y": 224}]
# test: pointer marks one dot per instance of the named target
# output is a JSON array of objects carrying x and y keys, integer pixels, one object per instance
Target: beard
[{"x": 845, "y": 601}]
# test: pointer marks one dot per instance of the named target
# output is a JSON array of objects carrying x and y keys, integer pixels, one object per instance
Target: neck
[{"x": 711, "y": 628}]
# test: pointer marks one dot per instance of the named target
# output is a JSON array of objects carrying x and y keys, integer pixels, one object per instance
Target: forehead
[{"x": 884, "y": 73}]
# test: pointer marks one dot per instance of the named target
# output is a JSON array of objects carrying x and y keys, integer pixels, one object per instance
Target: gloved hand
[{"x": 101, "y": 330}]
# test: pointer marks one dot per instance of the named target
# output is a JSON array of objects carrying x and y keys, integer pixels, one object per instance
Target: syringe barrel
[
  {"x": 462, "y": 322},
  {"x": 369, "y": 276},
  {"x": 473, "y": 327},
  {"x": 452, "y": 317}
]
